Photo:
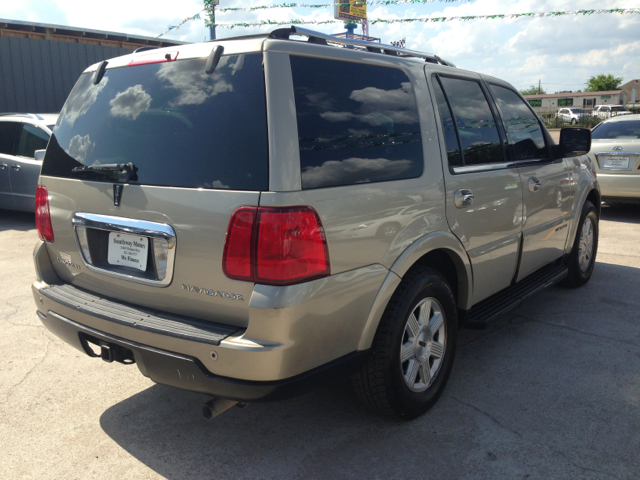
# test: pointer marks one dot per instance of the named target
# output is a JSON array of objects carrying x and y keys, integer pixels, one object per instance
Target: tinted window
[
  {"x": 626, "y": 129},
  {"x": 448, "y": 127},
  {"x": 356, "y": 123},
  {"x": 31, "y": 139},
  {"x": 178, "y": 125},
  {"x": 8, "y": 133},
  {"x": 476, "y": 126},
  {"x": 524, "y": 132}
]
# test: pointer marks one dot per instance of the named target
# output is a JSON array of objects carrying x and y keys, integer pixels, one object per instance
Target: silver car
[
  {"x": 615, "y": 153},
  {"x": 21, "y": 135},
  {"x": 252, "y": 218}
]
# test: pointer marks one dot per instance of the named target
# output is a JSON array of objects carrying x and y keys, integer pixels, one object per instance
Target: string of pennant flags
[
  {"x": 325, "y": 5},
  {"x": 375, "y": 21},
  {"x": 507, "y": 16}
]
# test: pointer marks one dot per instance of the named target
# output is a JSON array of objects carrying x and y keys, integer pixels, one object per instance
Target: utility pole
[
  {"x": 212, "y": 17},
  {"x": 539, "y": 86}
]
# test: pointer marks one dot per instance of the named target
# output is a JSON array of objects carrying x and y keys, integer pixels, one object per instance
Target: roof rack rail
[{"x": 324, "y": 39}]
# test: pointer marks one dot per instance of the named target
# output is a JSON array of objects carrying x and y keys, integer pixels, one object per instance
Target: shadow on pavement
[
  {"x": 523, "y": 384},
  {"x": 621, "y": 212},
  {"x": 12, "y": 220}
]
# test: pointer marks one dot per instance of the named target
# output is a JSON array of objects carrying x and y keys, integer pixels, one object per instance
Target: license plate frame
[
  {"x": 616, "y": 163},
  {"x": 126, "y": 250}
]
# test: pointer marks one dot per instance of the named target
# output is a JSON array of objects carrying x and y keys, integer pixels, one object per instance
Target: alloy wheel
[{"x": 423, "y": 344}]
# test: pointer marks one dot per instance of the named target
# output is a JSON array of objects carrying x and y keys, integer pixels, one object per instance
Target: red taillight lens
[
  {"x": 275, "y": 245},
  {"x": 43, "y": 216},
  {"x": 237, "y": 262}
]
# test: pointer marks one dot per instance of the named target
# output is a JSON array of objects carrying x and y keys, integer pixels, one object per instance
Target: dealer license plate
[
  {"x": 128, "y": 250},
  {"x": 616, "y": 162}
]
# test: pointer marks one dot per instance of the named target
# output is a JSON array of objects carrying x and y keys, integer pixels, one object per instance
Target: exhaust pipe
[{"x": 216, "y": 406}]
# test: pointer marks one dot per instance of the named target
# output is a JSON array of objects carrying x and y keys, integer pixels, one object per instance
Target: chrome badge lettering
[
  {"x": 213, "y": 293},
  {"x": 65, "y": 259}
]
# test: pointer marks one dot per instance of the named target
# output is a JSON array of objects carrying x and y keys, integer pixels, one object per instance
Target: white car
[
  {"x": 606, "y": 111},
  {"x": 571, "y": 115},
  {"x": 615, "y": 150},
  {"x": 21, "y": 134}
]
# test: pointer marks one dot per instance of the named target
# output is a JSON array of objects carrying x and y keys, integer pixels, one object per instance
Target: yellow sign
[{"x": 353, "y": 10}]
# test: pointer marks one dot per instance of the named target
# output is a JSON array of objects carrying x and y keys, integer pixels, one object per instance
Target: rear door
[
  {"x": 547, "y": 182},
  {"x": 24, "y": 170},
  {"x": 483, "y": 192},
  {"x": 8, "y": 134},
  {"x": 196, "y": 149}
]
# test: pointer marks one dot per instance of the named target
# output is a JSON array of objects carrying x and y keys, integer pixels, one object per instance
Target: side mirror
[
  {"x": 39, "y": 154},
  {"x": 575, "y": 141}
]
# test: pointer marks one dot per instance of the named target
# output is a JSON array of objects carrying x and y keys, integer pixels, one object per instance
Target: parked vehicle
[
  {"x": 21, "y": 135},
  {"x": 615, "y": 153},
  {"x": 607, "y": 111},
  {"x": 572, "y": 115},
  {"x": 254, "y": 217}
]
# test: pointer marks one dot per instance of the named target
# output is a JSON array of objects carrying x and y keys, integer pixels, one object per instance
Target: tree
[
  {"x": 532, "y": 90},
  {"x": 603, "y": 82}
]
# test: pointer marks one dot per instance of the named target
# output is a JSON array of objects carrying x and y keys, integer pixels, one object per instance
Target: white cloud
[
  {"x": 78, "y": 147},
  {"x": 87, "y": 95},
  {"x": 353, "y": 170},
  {"x": 130, "y": 103}
]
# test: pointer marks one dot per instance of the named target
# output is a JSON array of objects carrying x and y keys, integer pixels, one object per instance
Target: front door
[
  {"x": 483, "y": 189},
  {"x": 547, "y": 186}
]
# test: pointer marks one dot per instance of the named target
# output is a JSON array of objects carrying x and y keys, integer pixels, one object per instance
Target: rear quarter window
[{"x": 356, "y": 123}]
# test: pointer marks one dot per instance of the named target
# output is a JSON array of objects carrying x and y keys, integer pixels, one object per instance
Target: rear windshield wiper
[{"x": 126, "y": 171}]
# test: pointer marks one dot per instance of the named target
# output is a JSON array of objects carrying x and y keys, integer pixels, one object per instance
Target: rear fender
[{"x": 442, "y": 241}]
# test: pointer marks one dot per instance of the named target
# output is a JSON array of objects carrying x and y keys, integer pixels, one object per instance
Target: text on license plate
[
  {"x": 616, "y": 162},
  {"x": 128, "y": 250}
]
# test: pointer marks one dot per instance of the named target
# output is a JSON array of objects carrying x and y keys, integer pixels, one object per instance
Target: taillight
[
  {"x": 43, "y": 215},
  {"x": 275, "y": 246}
]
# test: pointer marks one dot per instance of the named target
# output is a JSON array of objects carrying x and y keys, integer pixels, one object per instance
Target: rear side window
[
  {"x": 477, "y": 129},
  {"x": 31, "y": 139},
  {"x": 176, "y": 124},
  {"x": 8, "y": 133},
  {"x": 523, "y": 129},
  {"x": 356, "y": 123},
  {"x": 448, "y": 127}
]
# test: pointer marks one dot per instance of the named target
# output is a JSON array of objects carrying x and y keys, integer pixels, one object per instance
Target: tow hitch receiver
[{"x": 109, "y": 352}]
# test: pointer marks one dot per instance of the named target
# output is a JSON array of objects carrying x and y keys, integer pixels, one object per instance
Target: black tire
[
  {"x": 381, "y": 384},
  {"x": 573, "y": 121},
  {"x": 578, "y": 274}
]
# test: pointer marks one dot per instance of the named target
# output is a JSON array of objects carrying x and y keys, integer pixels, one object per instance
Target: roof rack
[{"x": 324, "y": 39}]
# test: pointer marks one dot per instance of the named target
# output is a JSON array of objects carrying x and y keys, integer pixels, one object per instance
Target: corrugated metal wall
[{"x": 37, "y": 75}]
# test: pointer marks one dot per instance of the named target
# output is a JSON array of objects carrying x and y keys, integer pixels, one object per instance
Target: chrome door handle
[
  {"x": 534, "y": 184},
  {"x": 463, "y": 198},
  {"x": 16, "y": 167}
]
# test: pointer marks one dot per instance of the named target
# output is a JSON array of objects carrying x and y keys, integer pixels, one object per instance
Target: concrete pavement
[{"x": 551, "y": 390}]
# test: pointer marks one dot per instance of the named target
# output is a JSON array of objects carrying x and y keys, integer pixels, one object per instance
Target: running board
[{"x": 493, "y": 307}]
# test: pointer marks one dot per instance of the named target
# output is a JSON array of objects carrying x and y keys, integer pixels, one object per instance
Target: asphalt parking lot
[{"x": 552, "y": 390}]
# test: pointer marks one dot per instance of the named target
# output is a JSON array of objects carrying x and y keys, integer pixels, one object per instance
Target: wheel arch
[{"x": 441, "y": 251}]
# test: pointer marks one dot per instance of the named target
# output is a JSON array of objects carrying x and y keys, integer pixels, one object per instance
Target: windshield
[
  {"x": 576, "y": 110},
  {"x": 616, "y": 130},
  {"x": 179, "y": 126}
]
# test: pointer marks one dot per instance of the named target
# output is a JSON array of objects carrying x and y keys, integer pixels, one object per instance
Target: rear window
[
  {"x": 613, "y": 130},
  {"x": 356, "y": 123},
  {"x": 179, "y": 126}
]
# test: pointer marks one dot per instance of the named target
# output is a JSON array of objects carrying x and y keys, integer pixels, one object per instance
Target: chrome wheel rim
[
  {"x": 585, "y": 252},
  {"x": 423, "y": 344}
]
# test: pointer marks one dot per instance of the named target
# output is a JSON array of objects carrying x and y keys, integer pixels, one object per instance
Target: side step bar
[{"x": 493, "y": 307}]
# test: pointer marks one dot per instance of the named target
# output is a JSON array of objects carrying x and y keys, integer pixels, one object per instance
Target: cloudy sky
[{"x": 561, "y": 52}]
